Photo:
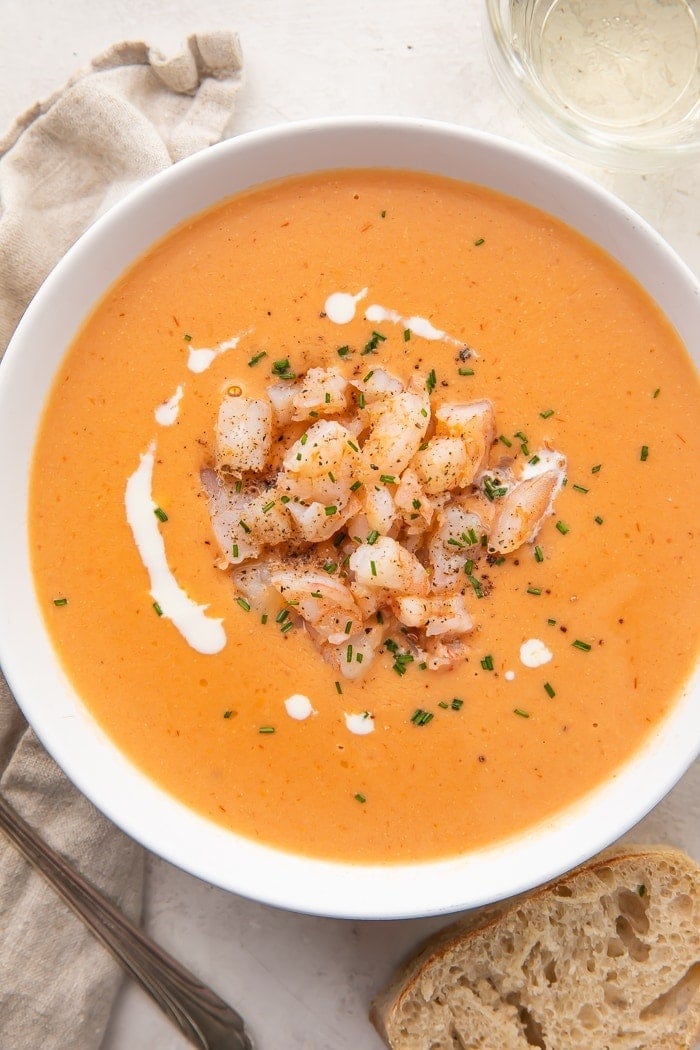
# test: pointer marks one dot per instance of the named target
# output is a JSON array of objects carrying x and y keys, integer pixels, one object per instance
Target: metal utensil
[{"x": 205, "y": 1019}]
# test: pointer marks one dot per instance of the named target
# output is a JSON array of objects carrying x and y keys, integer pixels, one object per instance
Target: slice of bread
[{"x": 604, "y": 958}]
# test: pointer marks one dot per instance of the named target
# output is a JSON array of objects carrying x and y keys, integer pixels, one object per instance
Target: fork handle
[{"x": 205, "y": 1019}]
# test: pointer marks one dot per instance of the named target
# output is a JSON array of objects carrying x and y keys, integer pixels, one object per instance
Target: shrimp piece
[
  {"x": 379, "y": 509},
  {"x": 378, "y": 383},
  {"x": 386, "y": 565},
  {"x": 474, "y": 424},
  {"x": 456, "y": 539},
  {"x": 412, "y": 502},
  {"x": 320, "y": 391},
  {"x": 522, "y": 511},
  {"x": 447, "y": 617},
  {"x": 227, "y": 508},
  {"x": 442, "y": 655},
  {"x": 322, "y": 465},
  {"x": 355, "y": 653},
  {"x": 243, "y": 435},
  {"x": 323, "y": 603},
  {"x": 314, "y": 522},
  {"x": 253, "y": 583},
  {"x": 441, "y": 466},
  {"x": 398, "y": 424}
]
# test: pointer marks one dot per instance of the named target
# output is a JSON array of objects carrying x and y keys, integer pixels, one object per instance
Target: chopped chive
[
  {"x": 579, "y": 488},
  {"x": 359, "y": 797},
  {"x": 353, "y": 446},
  {"x": 641, "y": 890},
  {"x": 506, "y": 441},
  {"x": 379, "y": 616},
  {"x": 479, "y": 242},
  {"x": 519, "y": 434},
  {"x": 421, "y": 717},
  {"x": 282, "y": 615},
  {"x": 562, "y": 527},
  {"x": 487, "y": 663},
  {"x": 596, "y": 468},
  {"x": 422, "y": 448},
  {"x": 406, "y": 334},
  {"x": 160, "y": 514},
  {"x": 348, "y": 654},
  {"x": 157, "y": 609},
  {"x": 416, "y": 504},
  {"x": 239, "y": 485},
  {"x": 468, "y": 566},
  {"x": 187, "y": 338},
  {"x": 551, "y": 622},
  {"x": 471, "y": 536},
  {"x": 60, "y": 601},
  {"x": 584, "y": 646},
  {"x": 547, "y": 413},
  {"x": 330, "y": 567},
  {"x": 284, "y": 499},
  {"x": 264, "y": 618},
  {"x": 359, "y": 658},
  {"x": 443, "y": 704},
  {"x": 266, "y": 729},
  {"x": 343, "y": 351},
  {"x": 373, "y": 537},
  {"x": 466, "y": 371},
  {"x": 456, "y": 704},
  {"x": 257, "y": 357},
  {"x": 327, "y": 398},
  {"x": 330, "y": 511},
  {"x": 373, "y": 567},
  {"x": 227, "y": 714},
  {"x": 268, "y": 506},
  {"x": 423, "y": 666},
  {"x": 455, "y": 543},
  {"x": 348, "y": 627},
  {"x": 644, "y": 454},
  {"x": 246, "y": 528},
  {"x": 656, "y": 392},
  {"x": 524, "y": 449},
  {"x": 478, "y": 590},
  {"x": 338, "y": 689},
  {"x": 339, "y": 539},
  {"x": 234, "y": 550},
  {"x": 534, "y": 590},
  {"x": 286, "y": 627},
  {"x": 431, "y": 381},
  {"x": 598, "y": 520},
  {"x": 519, "y": 711},
  {"x": 368, "y": 376},
  {"x": 539, "y": 556},
  {"x": 549, "y": 690},
  {"x": 388, "y": 479},
  {"x": 243, "y": 604},
  {"x": 282, "y": 369}
]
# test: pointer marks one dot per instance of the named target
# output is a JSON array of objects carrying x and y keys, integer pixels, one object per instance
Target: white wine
[{"x": 618, "y": 63}]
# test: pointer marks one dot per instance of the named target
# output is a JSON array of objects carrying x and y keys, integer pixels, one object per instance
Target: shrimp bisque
[{"x": 389, "y": 551}]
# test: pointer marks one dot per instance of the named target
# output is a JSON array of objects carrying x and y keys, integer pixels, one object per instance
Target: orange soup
[{"x": 582, "y": 637}]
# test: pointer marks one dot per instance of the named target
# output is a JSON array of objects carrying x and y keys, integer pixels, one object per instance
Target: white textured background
[{"x": 305, "y": 983}]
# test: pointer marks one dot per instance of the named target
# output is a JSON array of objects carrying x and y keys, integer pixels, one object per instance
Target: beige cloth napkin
[{"x": 131, "y": 114}]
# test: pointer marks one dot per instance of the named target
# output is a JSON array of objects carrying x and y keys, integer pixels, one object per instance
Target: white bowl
[{"x": 47, "y": 698}]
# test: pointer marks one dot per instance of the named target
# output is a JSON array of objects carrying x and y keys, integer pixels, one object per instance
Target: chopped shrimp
[
  {"x": 475, "y": 426},
  {"x": 442, "y": 655},
  {"x": 227, "y": 509},
  {"x": 243, "y": 434},
  {"x": 377, "y": 384},
  {"x": 456, "y": 539},
  {"x": 397, "y": 426},
  {"x": 522, "y": 511},
  {"x": 323, "y": 464},
  {"x": 442, "y": 465},
  {"x": 411, "y": 500},
  {"x": 448, "y": 617},
  {"x": 323, "y": 603},
  {"x": 320, "y": 391},
  {"x": 315, "y": 523},
  {"x": 379, "y": 509},
  {"x": 389, "y": 566},
  {"x": 355, "y": 653}
]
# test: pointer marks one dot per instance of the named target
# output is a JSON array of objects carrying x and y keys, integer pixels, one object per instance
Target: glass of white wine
[{"x": 613, "y": 81}]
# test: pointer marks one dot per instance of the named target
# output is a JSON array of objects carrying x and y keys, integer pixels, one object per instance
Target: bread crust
[{"x": 500, "y": 979}]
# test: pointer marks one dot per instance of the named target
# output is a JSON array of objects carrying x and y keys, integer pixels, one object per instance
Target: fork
[{"x": 203, "y": 1018}]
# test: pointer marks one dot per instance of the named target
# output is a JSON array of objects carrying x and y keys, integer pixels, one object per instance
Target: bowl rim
[{"x": 79, "y": 745}]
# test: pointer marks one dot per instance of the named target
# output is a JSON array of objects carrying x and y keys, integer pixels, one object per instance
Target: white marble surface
[{"x": 305, "y": 983}]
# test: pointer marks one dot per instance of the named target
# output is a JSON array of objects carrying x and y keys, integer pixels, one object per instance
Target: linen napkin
[{"x": 132, "y": 113}]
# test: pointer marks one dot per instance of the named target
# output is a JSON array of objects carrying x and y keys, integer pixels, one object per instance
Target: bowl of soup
[{"x": 349, "y": 531}]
